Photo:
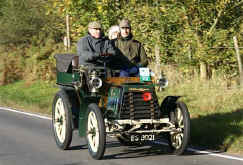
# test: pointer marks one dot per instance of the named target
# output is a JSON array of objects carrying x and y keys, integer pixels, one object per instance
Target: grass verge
[
  {"x": 36, "y": 97},
  {"x": 216, "y": 111}
]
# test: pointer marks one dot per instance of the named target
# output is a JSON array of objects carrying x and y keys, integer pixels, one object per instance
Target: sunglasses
[
  {"x": 125, "y": 28},
  {"x": 96, "y": 28}
]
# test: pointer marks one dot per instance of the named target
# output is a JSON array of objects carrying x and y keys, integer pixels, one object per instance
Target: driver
[{"x": 94, "y": 45}]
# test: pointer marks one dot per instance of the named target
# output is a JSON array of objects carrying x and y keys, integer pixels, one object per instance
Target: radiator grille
[{"x": 134, "y": 107}]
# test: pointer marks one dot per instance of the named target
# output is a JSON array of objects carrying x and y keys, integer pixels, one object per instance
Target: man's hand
[{"x": 105, "y": 55}]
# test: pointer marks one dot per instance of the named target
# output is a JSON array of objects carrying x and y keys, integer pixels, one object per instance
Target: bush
[
  {"x": 11, "y": 69},
  {"x": 23, "y": 19}
]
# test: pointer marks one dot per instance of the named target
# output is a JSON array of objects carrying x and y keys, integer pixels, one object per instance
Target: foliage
[
  {"x": 11, "y": 68},
  {"x": 188, "y": 32},
  {"x": 23, "y": 19},
  {"x": 29, "y": 63}
]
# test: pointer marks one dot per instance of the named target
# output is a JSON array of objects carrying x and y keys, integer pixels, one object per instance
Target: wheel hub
[
  {"x": 60, "y": 120},
  {"x": 92, "y": 131}
]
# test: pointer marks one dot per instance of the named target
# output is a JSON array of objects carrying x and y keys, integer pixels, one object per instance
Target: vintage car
[{"x": 97, "y": 102}]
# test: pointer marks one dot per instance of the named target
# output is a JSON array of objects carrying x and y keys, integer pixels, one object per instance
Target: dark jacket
[
  {"x": 89, "y": 49},
  {"x": 133, "y": 50}
]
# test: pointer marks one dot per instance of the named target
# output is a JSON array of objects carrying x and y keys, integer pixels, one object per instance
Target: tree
[{"x": 23, "y": 19}]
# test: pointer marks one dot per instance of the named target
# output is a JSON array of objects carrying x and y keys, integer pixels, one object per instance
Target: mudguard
[
  {"x": 168, "y": 104},
  {"x": 75, "y": 106}
]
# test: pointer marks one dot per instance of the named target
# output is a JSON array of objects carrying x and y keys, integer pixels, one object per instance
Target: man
[
  {"x": 94, "y": 45},
  {"x": 132, "y": 49}
]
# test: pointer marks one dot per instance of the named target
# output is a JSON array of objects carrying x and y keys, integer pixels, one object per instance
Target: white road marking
[
  {"x": 215, "y": 154},
  {"x": 206, "y": 152},
  {"x": 25, "y": 113},
  {"x": 163, "y": 143}
]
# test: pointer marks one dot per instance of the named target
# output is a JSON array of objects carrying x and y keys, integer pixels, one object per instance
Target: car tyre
[
  {"x": 62, "y": 120},
  {"x": 179, "y": 141},
  {"x": 95, "y": 132}
]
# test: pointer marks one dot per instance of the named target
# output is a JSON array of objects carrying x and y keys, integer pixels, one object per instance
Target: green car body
[{"x": 97, "y": 104}]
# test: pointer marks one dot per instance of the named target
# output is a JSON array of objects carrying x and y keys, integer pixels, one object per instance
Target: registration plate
[
  {"x": 143, "y": 137},
  {"x": 144, "y": 74}
]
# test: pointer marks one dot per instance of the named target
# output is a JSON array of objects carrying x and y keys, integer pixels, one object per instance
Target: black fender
[{"x": 168, "y": 104}]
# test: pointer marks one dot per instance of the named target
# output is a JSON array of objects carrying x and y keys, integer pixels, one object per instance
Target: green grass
[
  {"x": 216, "y": 111},
  {"x": 36, "y": 97}
]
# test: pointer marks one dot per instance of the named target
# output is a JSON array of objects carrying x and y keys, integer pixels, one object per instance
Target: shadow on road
[
  {"x": 125, "y": 152},
  {"x": 217, "y": 131},
  {"x": 79, "y": 147}
]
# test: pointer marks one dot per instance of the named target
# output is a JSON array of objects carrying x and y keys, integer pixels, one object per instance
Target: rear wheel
[
  {"x": 96, "y": 135},
  {"x": 61, "y": 120},
  {"x": 178, "y": 140}
]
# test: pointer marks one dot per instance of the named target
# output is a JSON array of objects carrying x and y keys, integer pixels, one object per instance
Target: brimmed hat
[
  {"x": 94, "y": 24},
  {"x": 125, "y": 23}
]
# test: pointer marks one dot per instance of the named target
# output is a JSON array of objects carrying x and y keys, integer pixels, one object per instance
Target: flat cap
[
  {"x": 94, "y": 24},
  {"x": 125, "y": 23}
]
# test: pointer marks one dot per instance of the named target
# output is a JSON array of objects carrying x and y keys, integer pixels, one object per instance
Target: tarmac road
[{"x": 27, "y": 140}]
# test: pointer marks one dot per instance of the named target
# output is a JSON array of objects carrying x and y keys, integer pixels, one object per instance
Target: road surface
[{"x": 27, "y": 140}]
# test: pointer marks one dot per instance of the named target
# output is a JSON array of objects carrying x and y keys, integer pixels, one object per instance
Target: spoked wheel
[
  {"x": 96, "y": 135},
  {"x": 61, "y": 120},
  {"x": 178, "y": 140}
]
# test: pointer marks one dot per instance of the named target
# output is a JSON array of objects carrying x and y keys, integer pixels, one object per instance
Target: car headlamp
[
  {"x": 162, "y": 82},
  {"x": 95, "y": 82}
]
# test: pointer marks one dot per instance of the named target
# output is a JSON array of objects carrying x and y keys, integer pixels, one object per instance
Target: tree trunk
[
  {"x": 3, "y": 76},
  {"x": 238, "y": 59},
  {"x": 213, "y": 73},
  {"x": 157, "y": 63},
  {"x": 68, "y": 32},
  {"x": 203, "y": 65},
  {"x": 203, "y": 71}
]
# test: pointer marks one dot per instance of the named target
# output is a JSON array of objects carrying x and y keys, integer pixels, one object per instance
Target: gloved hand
[{"x": 105, "y": 55}]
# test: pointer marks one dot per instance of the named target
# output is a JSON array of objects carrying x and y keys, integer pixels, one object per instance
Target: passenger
[
  {"x": 132, "y": 49},
  {"x": 119, "y": 61},
  {"x": 114, "y": 32}
]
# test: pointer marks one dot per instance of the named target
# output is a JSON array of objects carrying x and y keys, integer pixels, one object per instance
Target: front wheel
[
  {"x": 61, "y": 120},
  {"x": 96, "y": 135},
  {"x": 178, "y": 140}
]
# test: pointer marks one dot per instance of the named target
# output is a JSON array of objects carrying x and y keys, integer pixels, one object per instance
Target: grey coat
[{"x": 89, "y": 49}]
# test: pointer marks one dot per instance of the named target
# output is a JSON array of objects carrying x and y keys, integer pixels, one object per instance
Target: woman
[{"x": 114, "y": 32}]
